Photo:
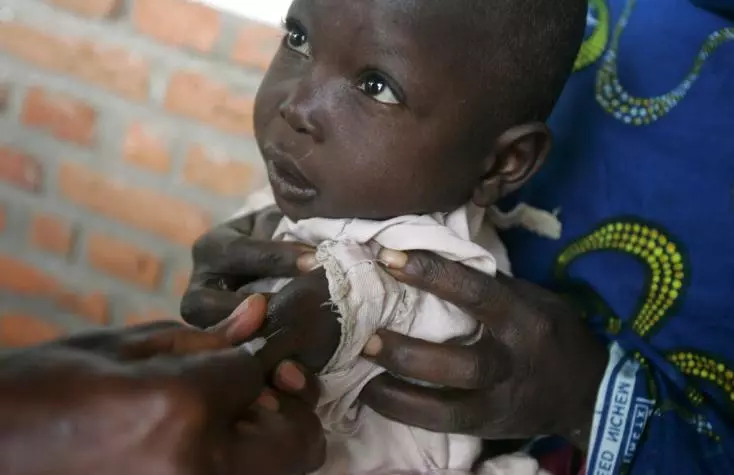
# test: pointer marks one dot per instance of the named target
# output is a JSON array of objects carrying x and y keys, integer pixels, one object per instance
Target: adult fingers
[
  {"x": 168, "y": 337},
  {"x": 229, "y": 380},
  {"x": 173, "y": 338},
  {"x": 205, "y": 307},
  {"x": 433, "y": 409},
  {"x": 292, "y": 378},
  {"x": 174, "y": 341},
  {"x": 244, "y": 320},
  {"x": 244, "y": 256},
  {"x": 306, "y": 430},
  {"x": 455, "y": 366},
  {"x": 111, "y": 339},
  {"x": 287, "y": 440},
  {"x": 489, "y": 414},
  {"x": 484, "y": 296}
]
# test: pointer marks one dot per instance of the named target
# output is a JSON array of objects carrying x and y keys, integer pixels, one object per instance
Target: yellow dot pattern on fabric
[
  {"x": 703, "y": 367},
  {"x": 695, "y": 396},
  {"x": 593, "y": 47},
  {"x": 665, "y": 286},
  {"x": 615, "y": 100},
  {"x": 650, "y": 245}
]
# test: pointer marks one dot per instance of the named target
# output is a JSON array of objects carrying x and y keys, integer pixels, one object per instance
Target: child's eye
[
  {"x": 296, "y": 39},
  {"x": 377, "y": 87}
]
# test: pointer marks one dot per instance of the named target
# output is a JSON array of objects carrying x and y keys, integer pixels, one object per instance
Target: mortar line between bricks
[
  {"x": 123, "y": 35},
  {"x": 70, "y": 274},
  {"x": 18, "y": 72},
  {"x": 106, "y": 157},
  {"x": 34, "y": 306}
]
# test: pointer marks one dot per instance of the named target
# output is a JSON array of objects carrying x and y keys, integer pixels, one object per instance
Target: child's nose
[{"x": 299, "y": 111}]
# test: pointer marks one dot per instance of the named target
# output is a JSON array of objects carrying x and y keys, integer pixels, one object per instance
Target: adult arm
[
  {"x": 540, "y": 370},
  {"x": 536, "y": 369},
  {"x": 161, "y": 398}
]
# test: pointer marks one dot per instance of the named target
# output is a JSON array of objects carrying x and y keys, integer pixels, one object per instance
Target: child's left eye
[
  {"x": 377, "y": 87},
  {"x": 296, "y": 39}
]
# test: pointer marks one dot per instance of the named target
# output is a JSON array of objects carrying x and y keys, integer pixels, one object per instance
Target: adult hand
[
  {"x": 232, "y": 255},
  {"x": 156, "y": 399},
  {"x": 302, "y": 320},
  {"x": 535, "y": 371}
]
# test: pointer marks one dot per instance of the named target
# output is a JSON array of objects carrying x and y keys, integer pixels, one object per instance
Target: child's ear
[{"x": 517, "y": 155}]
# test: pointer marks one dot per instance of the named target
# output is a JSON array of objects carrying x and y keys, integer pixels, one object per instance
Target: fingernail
[
  {"x": 290, "y": 376},
  {"x": 393, "y": 259},
  {"x": 373, "y": 346},
  {"x": 236, "y": 318},
  {"x": 268, "y": 401},
  {"x": 307, "y": 262},
  {"x": 241, "y": 308}
]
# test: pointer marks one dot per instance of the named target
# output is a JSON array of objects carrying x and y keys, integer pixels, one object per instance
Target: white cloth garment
[{"x": 360, "y": 440}]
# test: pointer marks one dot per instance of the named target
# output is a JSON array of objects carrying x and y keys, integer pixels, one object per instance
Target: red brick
[
  {"x": 144, "y": 148},
  {"x": 62, "y": 116},
  {"x": 51, "y": 234},
  {"x": 148, "y": 316},
  {"x": 21, "y": 278},
  {"x": 218, "y": 173},
  {"x": 112, "y": 68},
  {"x": 91, "y": 8},
  {"x": 124, "y": 261},
  {"x": 140, "y": 208},
  {"x": 178, "y": 23},
  {"x": 93, "y": 306},
  {"x": 256, "y": 45},
  {"x": 20, "y": 170},
  {"x": 19, "y": 330},
  {"x": 181, "y": 283},
  {"x": 202, "y": 98}
]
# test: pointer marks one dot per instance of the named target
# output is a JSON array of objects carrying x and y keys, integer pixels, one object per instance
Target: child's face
[{"x": 370, "y": 109}]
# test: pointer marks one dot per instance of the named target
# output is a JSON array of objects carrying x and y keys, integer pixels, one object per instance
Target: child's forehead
[
  {"x": 418, "y": 30},
  {"x": 431, "y": 49},
  {"x": 415, "y": 19}
]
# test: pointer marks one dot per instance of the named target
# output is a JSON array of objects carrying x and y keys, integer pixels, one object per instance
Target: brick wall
[{"x": 125, "y": 132}]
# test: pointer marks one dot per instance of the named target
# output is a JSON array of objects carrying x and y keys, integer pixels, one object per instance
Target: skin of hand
[
  {"x": 238, "y": 252},
  {"x": 232, "y": 255},
  {"x": 303, "y": 322},
  {"x": 160, "y": 398},
  {"x": 536, "y": 370}
]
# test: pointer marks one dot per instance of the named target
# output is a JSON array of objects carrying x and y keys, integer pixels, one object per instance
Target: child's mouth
[{"x": 288, "y": 182}]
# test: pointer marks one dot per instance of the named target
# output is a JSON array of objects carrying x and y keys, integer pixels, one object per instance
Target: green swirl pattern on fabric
[
  {"x": 595, "y": 43},
  {"x": 614, "y": 99}
]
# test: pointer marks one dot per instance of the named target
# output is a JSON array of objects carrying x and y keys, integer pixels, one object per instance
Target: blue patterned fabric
[{"x": 643, "y": 175}]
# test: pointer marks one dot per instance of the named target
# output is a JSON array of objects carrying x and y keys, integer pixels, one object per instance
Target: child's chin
[{"x": 295, "y": 211}]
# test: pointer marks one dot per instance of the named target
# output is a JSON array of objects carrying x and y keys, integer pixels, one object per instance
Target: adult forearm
[{"x": 26, "y": 427}]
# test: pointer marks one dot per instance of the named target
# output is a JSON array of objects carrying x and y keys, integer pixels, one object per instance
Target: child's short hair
[{"x": 538, "y": 44}]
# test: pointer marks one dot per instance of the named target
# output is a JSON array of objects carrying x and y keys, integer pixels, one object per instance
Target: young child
[{"x": 397, "y": 124}]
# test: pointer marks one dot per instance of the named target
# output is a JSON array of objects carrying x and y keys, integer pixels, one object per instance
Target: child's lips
[{"x": 286, "y": 178}]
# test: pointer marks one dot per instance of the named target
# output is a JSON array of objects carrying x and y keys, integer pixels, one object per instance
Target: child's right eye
[{"x": 296, "y": 39}]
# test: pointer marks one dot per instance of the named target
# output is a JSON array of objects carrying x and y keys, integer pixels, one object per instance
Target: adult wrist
[{"x": 589, "y": 379}]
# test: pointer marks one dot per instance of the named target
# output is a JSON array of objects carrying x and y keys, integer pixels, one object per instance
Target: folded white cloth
[{"x": 368, "y": 298}]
